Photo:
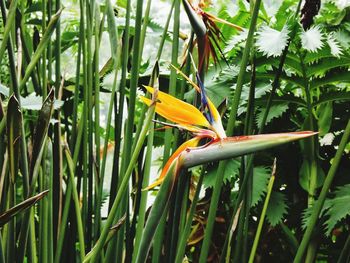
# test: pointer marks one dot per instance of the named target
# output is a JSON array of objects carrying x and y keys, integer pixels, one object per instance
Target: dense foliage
[{"x": 78, "y": 148}]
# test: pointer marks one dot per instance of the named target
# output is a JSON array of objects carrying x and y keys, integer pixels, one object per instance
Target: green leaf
[
  {"x": 327, "y": 64},
  {"x": 304, "y": 174},
  {"x": 231, "y": 171},
  {"x": 261, "y": 176},
  {"x": 337, "y": 208},
  {"x": 41, "y": 128},
  {"x": 324, "y": 112},
  {"x": 277, "y": 208},
  {"x": 333, "y": 96},
  {"x": 14, "y": 124},
  {"x": 276, "y": 111}
]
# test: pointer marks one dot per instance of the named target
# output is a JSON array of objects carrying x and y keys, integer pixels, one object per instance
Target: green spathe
[{"x": 236, "y": 146}]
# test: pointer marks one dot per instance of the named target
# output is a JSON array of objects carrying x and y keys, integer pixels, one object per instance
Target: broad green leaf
[
  {"x": 261, "y": 176},
  {"x": 10, "y": 213},
  {"x": 277, "y": 208}
]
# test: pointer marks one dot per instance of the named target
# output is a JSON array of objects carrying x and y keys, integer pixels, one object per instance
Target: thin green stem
[
  {"x": 143, "y": 201},
  {"x": 186, "y": 232},
  {"x": 344, "y": 254},
  {"x": 262, "y": 215},
  {"x": 76, "y": 203},
  {"x": 320, "y": 202}
]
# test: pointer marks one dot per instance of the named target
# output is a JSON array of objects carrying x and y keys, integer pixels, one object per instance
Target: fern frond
[
  {"x": 261, "y": 176},
  {"x": 277, "y": 208},
  {"x": 338, "y": 207}
]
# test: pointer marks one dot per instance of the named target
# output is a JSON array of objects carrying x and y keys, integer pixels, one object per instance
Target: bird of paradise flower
[
  {"x": 203, "y": 125},
  {"x": 207, "y": 125}
]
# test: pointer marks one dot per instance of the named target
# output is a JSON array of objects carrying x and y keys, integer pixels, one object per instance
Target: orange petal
[
  {"x": 173, "y": 158},
  {"x": 176, "y": 110}
]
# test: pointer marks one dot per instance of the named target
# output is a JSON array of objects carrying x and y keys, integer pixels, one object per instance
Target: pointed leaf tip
[{"x": 237, "y": 146}]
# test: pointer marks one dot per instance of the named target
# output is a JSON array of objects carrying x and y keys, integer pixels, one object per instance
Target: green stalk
[
  {"x": 143, "y": 201},
  {"x": 77, "y": 86},
  {"x": 2, "y": 256},
  {"x": 158, "y": 209},
  {"x": 71, "y": 166},
  {"x": 154, "y": 82},
  {"x": 166, "y": 26},
  {"x": 230, "y": 129},
  {"x": 8, "y": 26},
  {"x": 43, "y": 57},
  {"x": 248, "y": 170},
  {"x": 144, "y": 27},
  {"x": 159, "y": 54},
  {"x": 187, "y": 230},
  {"x": 344, "y": 254},
  {"x": 119, "y": 115},
  {"x": 95, "y": 252},
  {"x": 133, "y": 86},
  {"x": 113, "y": 35},
  {"x": 43, "y": 214},
  {"x": 290, "y": 238},
  {"x": 173, "y": 75},
  {"x": 179, "y": 193},
  {"x": 50, "y": 213},
  {"x": 2, "y": 125},
  {"x": 320, "y": 202},
  {"x": 311, "y": 153},
  {"x": 157, "y": 246},
  {"x": 128, "y": 135},
  {"x": 98, "y": 193},
  {"x": 85, "y": 115},
  {"x": 66, "y": 205},
  {"x": 87, "y": 202},
  {"x": 41, "y": 47},
  {"x": 262, "y": 215},
  {"x": 44, "y": 240}
]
